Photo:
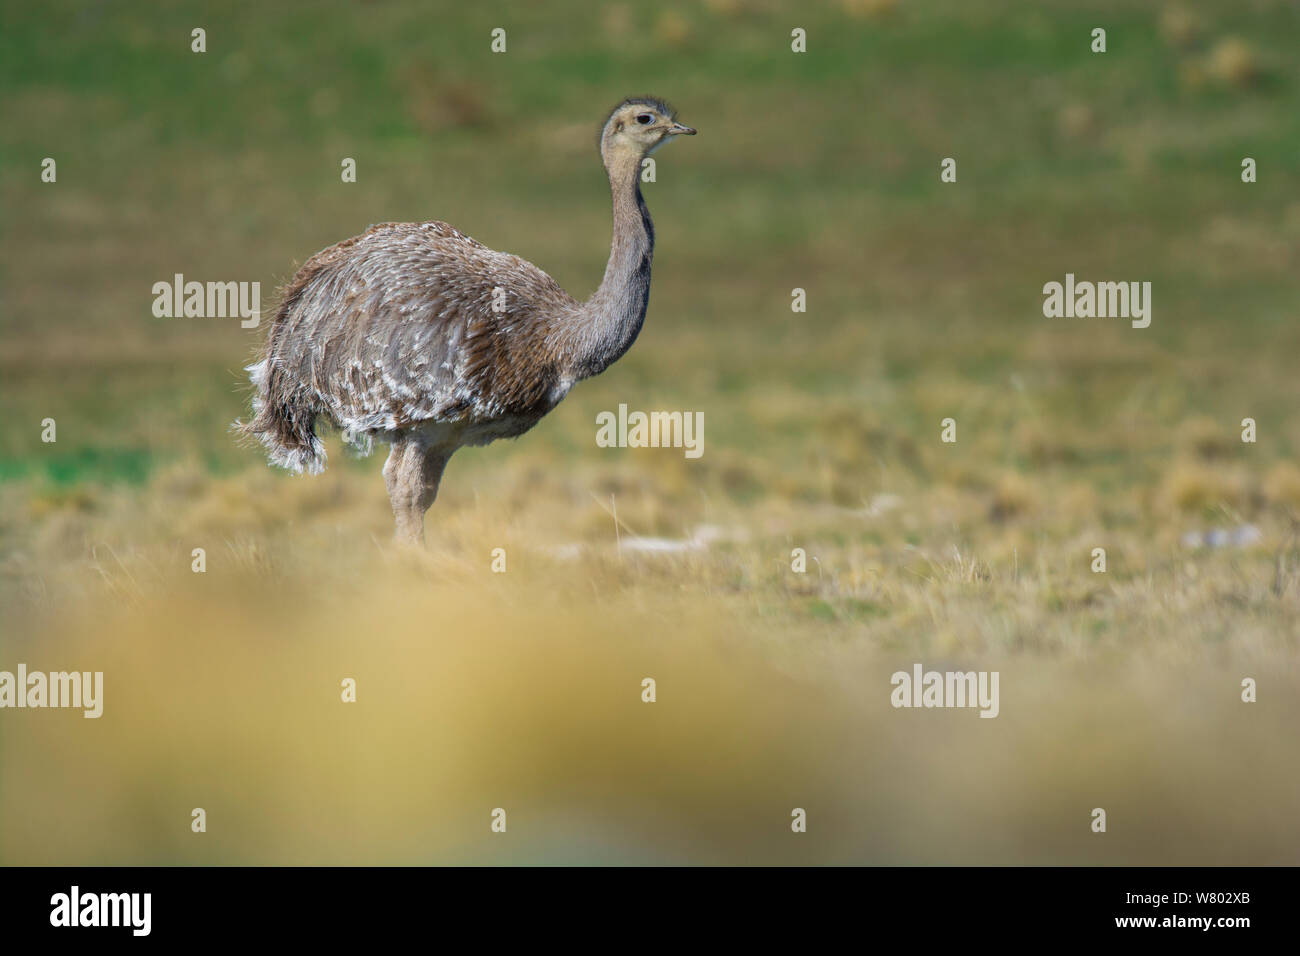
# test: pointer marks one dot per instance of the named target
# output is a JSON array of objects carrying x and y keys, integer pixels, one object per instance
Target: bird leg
[{"x": 412, "y": 474}]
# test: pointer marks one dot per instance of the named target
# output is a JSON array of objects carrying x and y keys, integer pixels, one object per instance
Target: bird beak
[{"x": 677, "y": 129}]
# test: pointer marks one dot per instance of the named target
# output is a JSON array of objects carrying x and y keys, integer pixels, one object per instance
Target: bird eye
[{"x": 645, "y": 119}]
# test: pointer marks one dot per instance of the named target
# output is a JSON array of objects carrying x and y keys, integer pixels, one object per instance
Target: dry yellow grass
[{"x": 522, "y": 690}]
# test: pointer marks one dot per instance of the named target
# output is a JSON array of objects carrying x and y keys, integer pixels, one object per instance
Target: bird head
[{"x": 639, "y": 125}]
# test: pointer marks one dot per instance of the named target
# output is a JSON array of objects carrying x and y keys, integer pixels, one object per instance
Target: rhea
[{"x": 416, "y": 334}]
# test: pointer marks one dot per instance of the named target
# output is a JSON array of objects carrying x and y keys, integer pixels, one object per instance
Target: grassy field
[{"x": 522, "y": 690}]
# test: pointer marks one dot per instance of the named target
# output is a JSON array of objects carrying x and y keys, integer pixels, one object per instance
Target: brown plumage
[{"x": 418, "y": 335}]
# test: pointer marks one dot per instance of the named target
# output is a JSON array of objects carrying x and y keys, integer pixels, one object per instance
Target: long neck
[{"x": 615, "y": 311}]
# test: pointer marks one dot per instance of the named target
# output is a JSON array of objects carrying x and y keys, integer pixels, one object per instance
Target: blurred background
[{"x": 522, "y": 690}]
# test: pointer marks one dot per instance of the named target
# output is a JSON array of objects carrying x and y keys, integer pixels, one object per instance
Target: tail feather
[{"x": 284, "y": 424}]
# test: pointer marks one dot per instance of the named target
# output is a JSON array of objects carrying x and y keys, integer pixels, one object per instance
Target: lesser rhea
[{"x": 418, "y": 335}]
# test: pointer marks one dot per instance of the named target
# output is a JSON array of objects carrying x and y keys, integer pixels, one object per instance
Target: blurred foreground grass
[
  {"x": 523, "y": 693},
  {"x": 522, "y": 690}
]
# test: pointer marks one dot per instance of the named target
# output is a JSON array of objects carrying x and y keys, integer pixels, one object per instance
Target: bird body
[
  {"x": 395, "y": 329},
  {"x": 420, "y": 336}
]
